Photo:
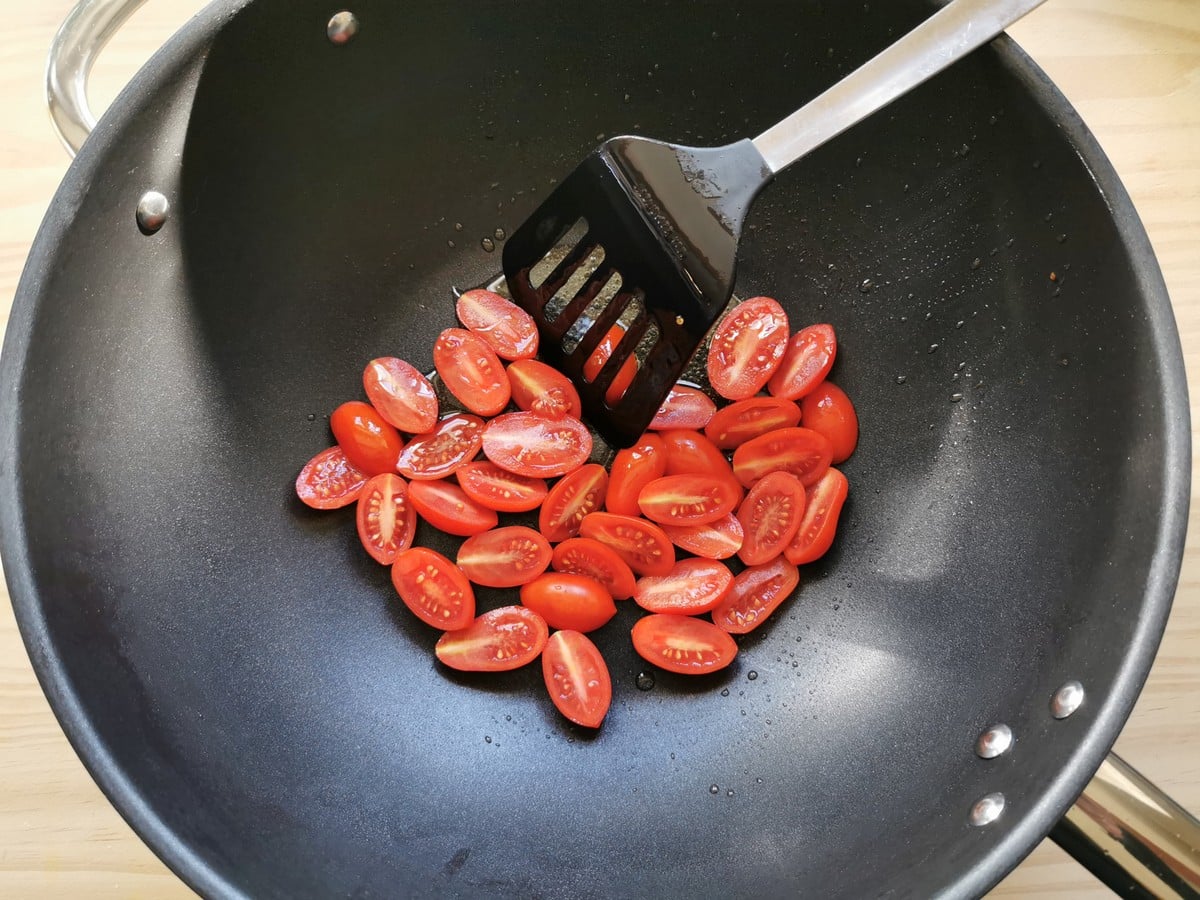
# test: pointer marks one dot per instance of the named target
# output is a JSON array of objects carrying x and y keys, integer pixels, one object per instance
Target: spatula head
[{"x": 642, "y": 235}]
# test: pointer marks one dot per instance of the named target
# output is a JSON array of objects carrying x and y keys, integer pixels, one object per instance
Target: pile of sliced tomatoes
[{"x": 744, "y": 481}]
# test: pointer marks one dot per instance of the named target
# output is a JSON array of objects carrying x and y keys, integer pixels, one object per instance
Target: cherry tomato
[
  {"x": 685, "y": 407},
  {"x": 770, "y": 515},
  {"x": 625, "y": 375},
  {"x": 683, "y": 644},
  {"x": 536, "y": 387},
  {"x": 447, "y": 508},
  {"x": 632, "y": 469},
  {"x": 688, "y": 499},
  {"x": 371, "y": 444},
  {"x": 691, "y": 453},
  {"x": 489, "y": 485},
  {"x": 819, "y": 525},
  {"x": 504, "y": 557},
  {"x": 507, "y": 329},
  {"x": 747, "y": 347},
  {"x": 583, "y": 556},
  {"x": 641, "y": 544},
  {"x": 577, "y": 678},
  {"x": 453, "y": 443},
  {"x": 756, "y": 593},
  {"x": 693, "y": 587},
  {"x": 403, "y": 396},
  {"x": 569, "y": 601},
  {"x": 532, "y": 445},
  {"x": 809, "y": 357},
  {"x": 828, "y": 410},
  {"x": 739, "y": 422},
  {"x": 716, "y": 540},
  {"x": 471, "y": 371},
  {"x": 437, "y": 593},
  {"x": 569, "y": 501},
  {"x": 498, "y": 641},
  {"x": 385, "y": 518},
  {"x": 803, "y": 452},
  {"x": 329, "y": 480}
]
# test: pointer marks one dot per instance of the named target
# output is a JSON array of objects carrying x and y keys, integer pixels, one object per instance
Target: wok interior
[{"x": 251, "y": 669}]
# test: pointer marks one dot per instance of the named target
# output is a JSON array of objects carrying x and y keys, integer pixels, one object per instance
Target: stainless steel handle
[
  {"x": 80, "y": 38},
  {"x": 944, "y": 38}
]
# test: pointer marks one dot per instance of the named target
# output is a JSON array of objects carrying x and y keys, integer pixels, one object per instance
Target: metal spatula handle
[{"x": 944, "y": 38}]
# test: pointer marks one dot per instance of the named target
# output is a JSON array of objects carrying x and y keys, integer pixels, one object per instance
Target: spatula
[{"x": 643, "y": 235}]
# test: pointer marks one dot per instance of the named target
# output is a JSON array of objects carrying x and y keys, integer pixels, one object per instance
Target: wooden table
[{"x": 1131, "y": 67}]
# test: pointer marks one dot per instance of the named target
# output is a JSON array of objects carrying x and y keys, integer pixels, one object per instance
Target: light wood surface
[{"x": 1132, "y": 69}]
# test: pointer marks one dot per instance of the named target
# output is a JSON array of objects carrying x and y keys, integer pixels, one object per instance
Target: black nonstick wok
[{"x": 240, "y": 678}]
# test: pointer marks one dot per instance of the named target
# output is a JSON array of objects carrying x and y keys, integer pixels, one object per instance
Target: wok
[{"x": 239, "y": 678}]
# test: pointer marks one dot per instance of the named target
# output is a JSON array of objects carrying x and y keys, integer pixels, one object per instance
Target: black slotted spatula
[{"x": 645, "y": 233}]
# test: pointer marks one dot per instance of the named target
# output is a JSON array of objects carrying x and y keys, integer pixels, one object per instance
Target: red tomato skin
[
  {"x": 692, "y": 587},
  {"x": 568, "y": 601},
  {"x": 600, "y": 355},
  {"x": 733, "y": 425},
  {"x": 500, "y": 323},
  {"x": 489, "y": 485},
  {"x": 571, "y": 500},
  {"x": 716, "y": 540},
  {"x": 683, "y": 644},
  {"x": 583, "y": 556},
  {"x": 370, "y": 443},
  {"x": 329, "y": 480},
  {"x": 477, "y": 556},
  {"x": 691, "y": 453},
  {"x": 402, "y": 395},
  {"x": 756, "y": 593},
  {"x": 747, "y": 347},
  {"x": 808, "y": 359},
  {"x": 828, "y": 410},
  {"x": 447, "y": 508},
  {"x": 770, "y": 516},
  {"x": 561, "y": 445},
  {"x": 632, "y": 469},
  {"x": 688, "y": 499},
  {"x": 685, "y": 407},
  {"x": 515, "y": 637},
  {"x": 819, "y": 525},
  {"x": 803, "y": 452},
  {"x": 384, "y": 508},
  {"x": 454, "y": 442},
  {"x": 412, "y": 573},
  {"x": 537, "y": 387},
  {"x": 471, "y": 371},
  {"x": 641, "y": 544},
  {"x": 577, "y": 678}
]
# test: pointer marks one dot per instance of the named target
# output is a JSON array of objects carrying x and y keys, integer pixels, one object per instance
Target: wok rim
[{"x": 1034, "y": 824}]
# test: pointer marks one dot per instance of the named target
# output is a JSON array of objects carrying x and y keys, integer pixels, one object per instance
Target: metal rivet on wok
[
  {"x": 342, "y": 27},
  {"x": 1066, "y": 700},
  {"x": 995, "y": 741},
  {"x": 987, "y": 809},
  {"x": 152, "y": 212}
]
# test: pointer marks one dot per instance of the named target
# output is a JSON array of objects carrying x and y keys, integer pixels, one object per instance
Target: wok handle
[
  {"x": 1132, "y": 836},
  {"x": 80, "y": 38}
]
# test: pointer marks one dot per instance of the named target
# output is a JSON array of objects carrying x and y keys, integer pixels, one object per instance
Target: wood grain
[{"x": 1132, "y": 69}]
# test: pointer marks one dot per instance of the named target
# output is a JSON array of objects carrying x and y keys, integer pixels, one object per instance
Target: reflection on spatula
[{"x": 644, "y": 234}]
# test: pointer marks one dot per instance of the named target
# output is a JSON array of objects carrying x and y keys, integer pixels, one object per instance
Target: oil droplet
[
  {"x": 933, "y": 348},
  {"x": 500, "y": 234},
  {"x": 1062, "y": 238},
  {"x": 312, "y": 417},
  {"x": 729, "y": 793},
  {"x": 954, "y": 398},
  {"x": 488, "y": 244},
  {"x": 714, "y": 789},
  {"x": 487, "y": 738},
  {"x": 758, "y": 781},
  {"x": 458, "y": 226},
  {"x": 1064, "y": 362},
  {"x": 976, "y": 263},
  {"x": 449, "y": 243},
  {"x": 751, "y": 675},
  {"x": 644, "y": 681},
  {"x": 725, "y": 692},
  {"x": 900, "y": 379},
  {"x": 867, "y": 286},
  {"x": 959, "y": 323}
]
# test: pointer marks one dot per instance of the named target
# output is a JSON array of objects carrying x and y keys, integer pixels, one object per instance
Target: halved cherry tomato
[
  {"x": 471, "y": 371},
  {"x": 577, "y": 678},
  {"x": 693, "y": 587},
  {"x": 770, "y": 515},
  {"x": 504, "y": 557},
  {"x": 809, "y": 357},
  {"x": 569, "y": 601},
  {"x": 569, "y": 501},
  {"x": 499, "y": 640},
  {"x": 632, "y": 469},
  {"x": 756, "y": 593},
  {"x": 691, "y": 453},
  {"x": 828, "y": 410},
  {"x": 747, "y": 347},
  {"x": 716, "y": 540},
  {"x": 739, "y": 422},
  {"x": 688, "y": 499},
  {"x": 685, "y": 407},
  {"x": 641, "y": 544},
  {"x": 453, "y": 443},
  {"x": 624, "y": 377},
  {"x": 683, "y": 644},
  {"x": 508, "y": 329},
  {"x": 403, "y": 396},
  {"x": 371, "y": 444},
  {"x": 535, "y": 446},
  {"x": 447, "y": 507},
  {"x": 385, "y": 518},
  {"x": 329, "y": 480},
  {"x": 819, "y": 525},
  {"x": 803, "y": 452},
  {"x": 491, "y": 486},
  {"x": 536, "y": 387},
  {"x": 437, "y": 593},
  {"x": 583, "y": 556}
]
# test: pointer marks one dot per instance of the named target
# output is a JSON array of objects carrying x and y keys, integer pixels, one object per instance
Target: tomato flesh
[
  {"x": 632, "y": 469},
  {"x": 716, "y": 540},
  {"x": 385, "y": 518},
  {"x": 537, "y": 447},
  {"x": 829, "y": 411},
  {"x": 491, "y": 486},
  {"x": 370, "y": 443},
  {"x": 504, "y": 326},
  {"x": 401, "y": 394},
  {"x": 434, "y": 590},
  {"x": 801, "y": 451},
  {"x": 447, "y": 508},
  {"x": 808, "y": 359},
  {"x": 536, "y": 387},
  {"x": 600, "y": 355},
  {"x": 454, "y": 442},
  {"x": 688, "y": 499},
  {"x": 641, "y": 544},
  {"x": 682, "y": 644},
  {"x": 471, "y": 371},
  {"x": 770, "y": 516},
  {"x": 498, "y": 641},
  {"x": 747, "y": 347},
  {"x": 692, "y": 587},
  {"x": 685, "y": 407},
  {"x": 691, "y": 453},
  {"x": 577, "y": 678},
  {"x": 569, "y": 601},
  {"x": 756, "y": 593},
  {"x": 733, "y": 425},
  {"x": 504, "y": 557},
  {"x": 584, "y": 556},
  {"x": 571, "y": 500},
  {"x": 819, "y": 525},
  {"x": 329, "y": 480}
]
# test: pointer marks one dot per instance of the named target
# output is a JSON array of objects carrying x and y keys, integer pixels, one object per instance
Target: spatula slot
[
  {"x": 558, "y": 251},
  {"x": 584, "y": 319},
  {"x": 577, "y": 282}
]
